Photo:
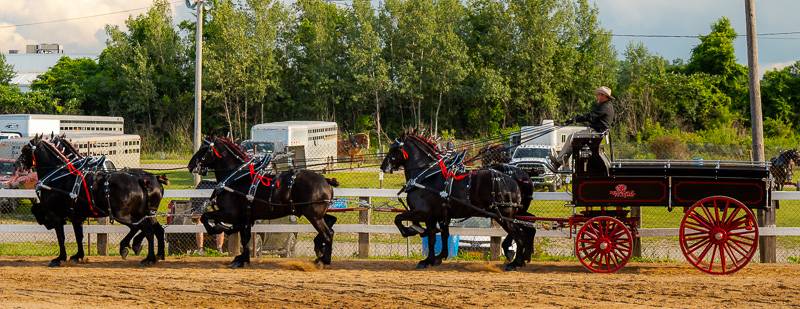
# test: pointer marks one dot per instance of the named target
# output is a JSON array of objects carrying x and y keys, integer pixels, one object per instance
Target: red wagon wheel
[
  {"x": 604, "y": 245},
  {"x": 719, "y": 235}
]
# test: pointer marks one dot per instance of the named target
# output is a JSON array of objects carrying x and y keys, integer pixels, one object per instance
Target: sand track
[{"x": 206, "y": 283}]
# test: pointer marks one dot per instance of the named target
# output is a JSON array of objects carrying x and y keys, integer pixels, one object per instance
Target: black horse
[
  {"x": 155, "y": 191},
  {"x": 782, "y": 167},
  {"x": 435, "y": 195},
  {"x": 68, "y": 192},
  {"x": 293, "y": 192}
]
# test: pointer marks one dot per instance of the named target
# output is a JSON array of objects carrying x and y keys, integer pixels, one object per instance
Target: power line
[
  {"x": 77, "y": 18},
  {"x": 767, "y": 35}
]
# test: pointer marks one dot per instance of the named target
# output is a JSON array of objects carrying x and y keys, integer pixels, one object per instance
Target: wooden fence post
[
  {"x": 495, "y": 249},
  {"x": 364, "y": 218},
  {"x": 234, "y": 244},
  {"x": 102, "y": 238},
  {"x": 636, "y": 212}
]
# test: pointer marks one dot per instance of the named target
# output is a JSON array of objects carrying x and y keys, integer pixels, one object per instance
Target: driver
[{"x": 600, "y": 119}]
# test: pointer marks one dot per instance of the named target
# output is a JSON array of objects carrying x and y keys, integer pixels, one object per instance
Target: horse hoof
[
  {"x": 75, "y": 259},
  {"x": 436, "y": 262},
  {"x": 147, "y": 262},
  {"x": 162, "y": 258},
  {"x": 123, "y": 252},
  {"x": 238, "y": 264},
  {"x": 510, "y": 267},
  {"x": 422, "y": 265},
  {"x": 54, "y": 263}
]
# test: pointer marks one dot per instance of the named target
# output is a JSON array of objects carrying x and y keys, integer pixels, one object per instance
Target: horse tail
[{"x": 332, "y": 181}]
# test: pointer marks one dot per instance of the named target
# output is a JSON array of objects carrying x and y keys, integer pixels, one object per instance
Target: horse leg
[
  {"x": 513, "y": 232},
  {"x": 137, "y": 242},
  {"x": 62, "y": 249},
  {"x": 159, "y": 230},
  {"x": 324, "y": 236},
  {"x": 212, "y": 229},
  {"x": 530, "y": 235},
  {"x": 444, "y": 225},
  {"x": 125, "y": 243},
  {"x": 327, "y": 254},
  {"x": 429, "y": 260},
  {"x": 77, "y": 226},
  {"x": 147, "y": 229},
  {"x": 415, "y": 217},
  {"x": 243, "y": 259},
  {"x": 508, "y": 240}
]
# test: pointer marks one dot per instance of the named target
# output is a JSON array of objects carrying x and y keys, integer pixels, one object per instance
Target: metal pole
[
  {"x": 198, "y": 81},
  {"x": 766, "y": 217}
]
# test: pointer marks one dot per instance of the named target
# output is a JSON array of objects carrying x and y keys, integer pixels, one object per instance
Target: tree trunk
[
  {"x": 378, "y": 120},
  {"x": 436, "y": 116}
]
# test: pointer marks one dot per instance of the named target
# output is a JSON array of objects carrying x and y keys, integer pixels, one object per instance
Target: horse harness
[
  {"x": 453, "y": 169},
  {"x": 82, "y": 168}
]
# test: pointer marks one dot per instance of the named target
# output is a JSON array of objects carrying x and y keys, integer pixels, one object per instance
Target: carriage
[{"x": 718, "y": 233}]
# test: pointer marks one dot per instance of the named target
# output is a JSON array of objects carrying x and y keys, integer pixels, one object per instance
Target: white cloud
[
  {"x": 77, "y": 36},
  {"x": 10, "y": 39}
]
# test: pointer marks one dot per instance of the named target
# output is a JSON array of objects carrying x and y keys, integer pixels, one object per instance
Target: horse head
[
  {"x": 217, "y": 153},
  {"x": 410, "y": 151}
]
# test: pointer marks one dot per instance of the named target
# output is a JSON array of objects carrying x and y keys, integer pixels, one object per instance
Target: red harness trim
[
  {"x": 74, "y": 171},
  {"x": 405, "y": 154},
  {"x": 449, "y": 174},
  {"x": 265, "y": 180},
  {"x": 216, "y": 153}
]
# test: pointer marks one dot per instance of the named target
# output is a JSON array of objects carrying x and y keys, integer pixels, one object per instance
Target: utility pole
[
  {"x": 766, "y": 217},
  {"x": 198, "y": 78}
]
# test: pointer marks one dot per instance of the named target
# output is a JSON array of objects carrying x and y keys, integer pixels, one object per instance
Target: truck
[
  {"x": 12, "y": 178},
  {"x": 311, "y": 144},
  {"x": 534, "y": 159},
  {"x": 534, "y": 146}
]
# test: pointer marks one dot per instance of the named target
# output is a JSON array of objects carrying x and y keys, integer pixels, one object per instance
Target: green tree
[
  {"x": 6, "y": 71},
  {"x": 143, "y": 77},
  {"x": 69, "y": 80},
  {"x": 715, "y": 55},
  {"x": 366, "y": 65},
  {"x": 780, "y": 93}
]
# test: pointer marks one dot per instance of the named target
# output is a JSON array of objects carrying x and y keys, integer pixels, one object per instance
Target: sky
[{"x": 674, "y": 17}]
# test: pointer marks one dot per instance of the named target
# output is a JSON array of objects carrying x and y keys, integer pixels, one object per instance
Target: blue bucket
[
  {"x": 339, "y": 203},
  {"x": 452, "y": 245}
]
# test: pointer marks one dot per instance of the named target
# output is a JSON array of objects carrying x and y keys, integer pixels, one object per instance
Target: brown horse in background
[{"x": 353, "y": 146}]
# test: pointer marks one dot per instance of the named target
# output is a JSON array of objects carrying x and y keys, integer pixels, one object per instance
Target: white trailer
[
  {"x": 547, "y": 134},
  {"x": 311, "y": 143}
]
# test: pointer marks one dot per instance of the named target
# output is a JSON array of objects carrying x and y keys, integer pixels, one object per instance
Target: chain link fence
[{"x": 356, "y": 171}]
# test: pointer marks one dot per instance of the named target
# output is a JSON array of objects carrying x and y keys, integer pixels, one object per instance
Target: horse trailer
[
  {"x": 312, "y": 144},
  {"x": 92, "y": 135}
]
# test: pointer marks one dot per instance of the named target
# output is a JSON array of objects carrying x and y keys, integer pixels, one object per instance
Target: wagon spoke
[
  {"x": 700, "y": 220},
  {"x": 701, "y": 244},
  {"x": 707, "y": 214},
  {"x": 716, "y": 212},
  {"x": 732, "y": 216},
  {"x": 698, "y": 237},
  {"x": 736, "y": 247},
  {"x": 734, "y": 260},
  {"x": 739, "y": 244},
  {"x": 722, "y": 256},
  {"x": 713, "y": 254}
]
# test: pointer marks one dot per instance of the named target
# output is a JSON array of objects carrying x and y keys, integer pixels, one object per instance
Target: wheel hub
[{"x": 718, "y": 235}]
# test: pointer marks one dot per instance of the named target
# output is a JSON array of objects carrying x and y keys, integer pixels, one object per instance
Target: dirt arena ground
[{"x": 275, "y": 283}]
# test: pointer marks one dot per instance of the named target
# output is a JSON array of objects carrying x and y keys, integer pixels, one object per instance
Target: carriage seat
[{"x": 588, "y": 155}]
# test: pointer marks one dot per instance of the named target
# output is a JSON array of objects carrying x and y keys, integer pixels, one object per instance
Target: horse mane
[
  {"x": 68, "y": 145},
  {"x": 426, "y": 141},
  {"x": 233, "y": 146}
]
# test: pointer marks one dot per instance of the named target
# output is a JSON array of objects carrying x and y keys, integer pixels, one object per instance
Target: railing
[{"x": 364, "y": 228}]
